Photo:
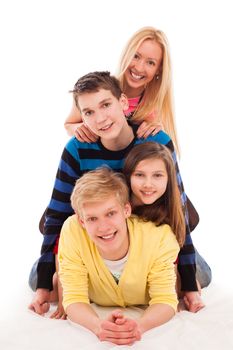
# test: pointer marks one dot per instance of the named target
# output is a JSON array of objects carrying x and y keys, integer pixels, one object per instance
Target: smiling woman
[
  {"x": 145, "y": 77},
  {"x": 144, "y": 66}
]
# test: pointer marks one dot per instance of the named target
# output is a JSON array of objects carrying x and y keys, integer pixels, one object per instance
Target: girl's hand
[
  {"x": 59, "y": 313},
  {"x": 84, "y": 134},
  {"x": 148, "y": 128}
]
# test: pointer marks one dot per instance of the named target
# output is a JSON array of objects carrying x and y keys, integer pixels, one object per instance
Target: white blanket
[{"x": 211, "y": 328}]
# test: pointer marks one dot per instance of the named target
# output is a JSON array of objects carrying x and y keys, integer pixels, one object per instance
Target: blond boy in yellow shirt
[{"x": 112, "y": 259}]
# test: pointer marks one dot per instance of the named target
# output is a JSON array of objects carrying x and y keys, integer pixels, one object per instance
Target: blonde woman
[{"x": 145, "y": 77}]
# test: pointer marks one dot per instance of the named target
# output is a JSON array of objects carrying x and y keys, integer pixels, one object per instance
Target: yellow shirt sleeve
[
  {"x": 72, "y": 272},
  {"x": 162, "y": 277}
]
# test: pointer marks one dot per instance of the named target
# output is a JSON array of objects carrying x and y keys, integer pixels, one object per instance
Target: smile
[
  {"x": 108, "y": 237},
  {"x": 148, "y": 193},
  {"x": 107, "y": 127},
  {"x": 137, "y": 76}
]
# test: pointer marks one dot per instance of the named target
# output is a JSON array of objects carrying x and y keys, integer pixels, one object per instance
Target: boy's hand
[
  {"x": 84, "y": 134},
  {"x": 40, "y": 302},
  {"x": 119, "y": 330},
  {"x": 193, "y": 301}
]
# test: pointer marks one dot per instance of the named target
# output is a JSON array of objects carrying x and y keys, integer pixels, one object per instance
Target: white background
[{"x": 46, "y": 46}]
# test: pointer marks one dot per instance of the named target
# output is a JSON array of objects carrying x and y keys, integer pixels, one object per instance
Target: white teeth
[
  {"x": 135, "y": 76},
  {"x": 108, "y": 236},
  {"x": 148, "y": 193},
  {"x": 106, "y": 127}
]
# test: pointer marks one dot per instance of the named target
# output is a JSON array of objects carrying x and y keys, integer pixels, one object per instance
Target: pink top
[{"x": 133, "y": 103}]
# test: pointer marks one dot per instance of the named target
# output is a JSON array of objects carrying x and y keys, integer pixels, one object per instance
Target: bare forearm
[
  {"x": 71, "y": 127},
  {"x": 84, "y": 315},
  {"x": 154, "y": 316}
]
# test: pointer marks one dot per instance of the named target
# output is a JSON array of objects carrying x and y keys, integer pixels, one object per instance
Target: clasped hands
[{"x": 119, "y": 329}]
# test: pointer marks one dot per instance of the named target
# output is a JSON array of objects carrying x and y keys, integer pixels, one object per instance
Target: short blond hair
[{"x": 98, "y": 185}]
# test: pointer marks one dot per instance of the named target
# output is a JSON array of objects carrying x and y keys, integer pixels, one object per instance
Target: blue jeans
[
  {"x": 32, "y": 281},
  {"x": 203, "y": 271}
]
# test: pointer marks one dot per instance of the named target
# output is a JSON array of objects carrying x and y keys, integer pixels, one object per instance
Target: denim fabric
[
  {"x": 203, "y": 271},
  {"x": 32, "y": 281}
]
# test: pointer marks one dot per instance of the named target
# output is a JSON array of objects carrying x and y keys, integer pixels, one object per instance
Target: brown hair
[
  {"x": 93, "y": 82},
  {"x": 168, "y": 208}
]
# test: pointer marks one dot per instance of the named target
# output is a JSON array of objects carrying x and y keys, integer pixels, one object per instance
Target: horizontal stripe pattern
[{"x": 78, "y": 158}]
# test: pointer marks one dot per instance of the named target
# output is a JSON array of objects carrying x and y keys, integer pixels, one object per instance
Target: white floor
[
  {"x": 41, "y": 62},
  {"x": 211, "y": 328}
]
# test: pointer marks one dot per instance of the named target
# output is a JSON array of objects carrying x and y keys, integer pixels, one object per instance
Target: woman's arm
[
  {"x": 73, "y": 120},
  {"x": 75, "y": 127}
]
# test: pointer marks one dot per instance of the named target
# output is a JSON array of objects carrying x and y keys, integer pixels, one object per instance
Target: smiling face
[
  {"x": 148, "y": 181},
  {"x": 143, "y": 67},
  {"x": 103, "y": 113},
  {"x": 105, "y": 223}
]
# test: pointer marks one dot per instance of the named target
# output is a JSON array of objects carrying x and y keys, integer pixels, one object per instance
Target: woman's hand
[
  {"x": 84, "y": 134},
  {"x": 148, "y": 128}
]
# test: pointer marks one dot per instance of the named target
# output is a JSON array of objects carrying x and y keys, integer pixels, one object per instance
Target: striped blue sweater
[{"x": 78, "y": 158}]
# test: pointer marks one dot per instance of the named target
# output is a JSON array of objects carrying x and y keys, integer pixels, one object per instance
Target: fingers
[
  {"x": 193, "y": 306},
  {"x": 84, "y": 134},
  {"x": 38, "y": 308},
  {"x": 120, "y": 341},
  {"x": 59, "y": 314},
  {"x": 119, "y": 337},
  {"x": 115, "y": 314},
  {"x": 119, "y": 330},
  {"x": 156, "y": 130},
  {"x": 146, "y": 129}
]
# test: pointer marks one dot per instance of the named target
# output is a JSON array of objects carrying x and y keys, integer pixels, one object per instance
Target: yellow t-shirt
[{"x": 148, "y": 276}]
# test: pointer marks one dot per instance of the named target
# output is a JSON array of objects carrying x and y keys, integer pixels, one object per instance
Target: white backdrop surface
[{"x": 45, "y": 47}]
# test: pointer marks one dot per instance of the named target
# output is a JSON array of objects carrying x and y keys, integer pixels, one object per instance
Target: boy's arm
[
  {"x": 155, "y": 315},
  {"x": 187, "y": 256},
  {"x": 59, "y": 209},
  {"x": 84, "y": 315},
  {"x": 116, "y": 328}
]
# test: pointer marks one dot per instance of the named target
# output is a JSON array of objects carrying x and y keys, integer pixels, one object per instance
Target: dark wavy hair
[
  {"x": 93, "y": 82},
  {"x": 168, "y": 208}
]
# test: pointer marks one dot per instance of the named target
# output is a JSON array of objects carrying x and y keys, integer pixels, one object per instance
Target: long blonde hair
[{"x": 157, "y": 95}]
